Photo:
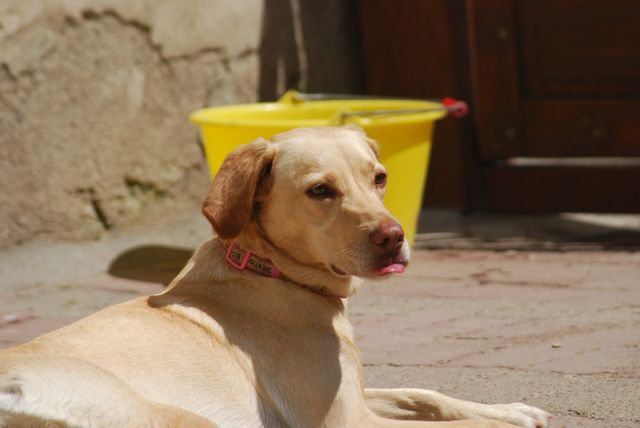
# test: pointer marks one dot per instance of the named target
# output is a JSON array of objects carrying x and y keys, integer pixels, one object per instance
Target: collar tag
[
  {"x": 249, "y": 260},
  {"x": 235, "y": 258}
]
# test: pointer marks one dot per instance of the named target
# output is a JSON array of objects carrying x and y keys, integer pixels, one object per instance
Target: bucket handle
[{"x": 454, "y": 107}]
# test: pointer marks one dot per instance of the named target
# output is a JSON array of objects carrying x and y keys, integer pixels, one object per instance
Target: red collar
[{"x": 241, "y": 259}]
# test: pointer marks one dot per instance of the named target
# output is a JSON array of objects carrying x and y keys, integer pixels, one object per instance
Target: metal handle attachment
[{"x": 452, "y": 106}]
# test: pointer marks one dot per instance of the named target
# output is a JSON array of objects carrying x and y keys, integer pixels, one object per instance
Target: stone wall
[{"x": 94, "y": 99}]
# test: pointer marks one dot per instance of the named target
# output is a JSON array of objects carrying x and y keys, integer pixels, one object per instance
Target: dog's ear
[
  {"x": 374, "y": 146},
  {"x": 229, "y": 204}
]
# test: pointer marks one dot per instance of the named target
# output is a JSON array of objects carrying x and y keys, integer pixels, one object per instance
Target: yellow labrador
[{"x": 253, "y": 331}]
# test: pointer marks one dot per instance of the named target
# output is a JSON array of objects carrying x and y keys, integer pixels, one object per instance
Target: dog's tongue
[{"x": 392, "y": 268}]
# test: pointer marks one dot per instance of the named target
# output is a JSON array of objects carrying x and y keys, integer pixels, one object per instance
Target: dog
[{"x": 252, "y": 332}]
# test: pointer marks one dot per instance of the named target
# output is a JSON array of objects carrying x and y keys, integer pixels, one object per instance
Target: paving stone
[
  {"x": 557, "y": 330},
  {"x": 19, "y": 332}
]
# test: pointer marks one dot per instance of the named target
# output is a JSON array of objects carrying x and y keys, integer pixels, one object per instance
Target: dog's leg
[
  {"x": 55, "y": 391},
  {"x": 426, "y": 405},
  {"x": 376, "y": 421}
]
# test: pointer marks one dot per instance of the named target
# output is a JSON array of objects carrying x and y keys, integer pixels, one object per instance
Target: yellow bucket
[{"x": 402, "y": 128}]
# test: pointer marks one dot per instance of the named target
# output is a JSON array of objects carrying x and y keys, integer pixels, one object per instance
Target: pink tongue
[{"x": 393, "y": 268}]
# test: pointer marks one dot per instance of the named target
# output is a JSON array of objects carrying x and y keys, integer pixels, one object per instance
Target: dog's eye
[
  {"x": 380, "y": 179},
  {"x": 321, "y": 191}
]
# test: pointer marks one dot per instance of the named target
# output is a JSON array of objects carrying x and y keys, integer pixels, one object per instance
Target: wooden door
[
  {"x": 554, "y": 87},
  {"x": 556, "y": 90}
]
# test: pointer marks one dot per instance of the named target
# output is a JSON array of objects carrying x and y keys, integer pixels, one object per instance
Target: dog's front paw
[{"x": 522, "y": 415}]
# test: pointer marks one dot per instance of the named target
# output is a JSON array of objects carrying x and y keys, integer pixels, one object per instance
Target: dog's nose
[{"x": 388, "y": 236}]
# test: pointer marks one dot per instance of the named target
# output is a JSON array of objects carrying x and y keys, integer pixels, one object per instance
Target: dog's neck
[{"x": 315, "y": 277}]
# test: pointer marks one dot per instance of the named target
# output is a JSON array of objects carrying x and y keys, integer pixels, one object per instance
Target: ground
[{"x": 556, "y": 329}]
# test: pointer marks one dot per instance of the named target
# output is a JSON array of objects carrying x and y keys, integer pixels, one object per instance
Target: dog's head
[{"x": 314, "y": 194}]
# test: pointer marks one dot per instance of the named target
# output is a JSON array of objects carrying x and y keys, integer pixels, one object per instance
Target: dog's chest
[
  {"x": 311, "y": 375},
  {"x": 301, "y": 377},
  {"x": 301, "y": 365}
]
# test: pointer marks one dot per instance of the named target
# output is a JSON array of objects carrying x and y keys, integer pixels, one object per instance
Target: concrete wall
[{"x": 94, "y": 98}]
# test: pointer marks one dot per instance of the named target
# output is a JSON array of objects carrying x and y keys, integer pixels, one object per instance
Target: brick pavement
[{"x": 557, "y": 330}]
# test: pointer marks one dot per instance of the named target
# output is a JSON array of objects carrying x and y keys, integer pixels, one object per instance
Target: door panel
[
  {"x": 582, "y": 127},
  {"x": 494, "y": 77},
  {"x": 579, "y": 48}
]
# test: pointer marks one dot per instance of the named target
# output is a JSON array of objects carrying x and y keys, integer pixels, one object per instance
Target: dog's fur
[{"x": 229, "y": 348}]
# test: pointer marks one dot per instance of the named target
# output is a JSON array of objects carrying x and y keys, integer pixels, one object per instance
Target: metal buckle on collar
[{"x": 232, "y": 261}]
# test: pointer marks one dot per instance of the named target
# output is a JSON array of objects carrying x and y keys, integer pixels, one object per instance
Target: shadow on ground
[
  {"x": 441, "y": 229},
  {"x": 150, "y": 263}
]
